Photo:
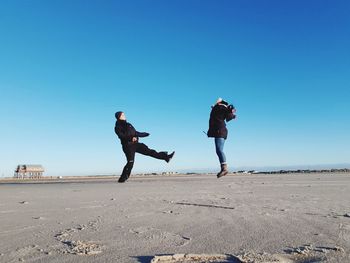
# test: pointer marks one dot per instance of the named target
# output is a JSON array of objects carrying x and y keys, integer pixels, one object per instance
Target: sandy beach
[{"x": 245, "y": 218}]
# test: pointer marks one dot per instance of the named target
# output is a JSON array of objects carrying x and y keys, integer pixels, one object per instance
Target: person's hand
[
  {"x": 134, "y": 139},
  {"x": 232, "y": 108}
]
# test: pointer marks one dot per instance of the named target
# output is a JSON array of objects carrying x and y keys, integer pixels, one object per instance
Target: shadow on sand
[{"x": 144, "y": 259}]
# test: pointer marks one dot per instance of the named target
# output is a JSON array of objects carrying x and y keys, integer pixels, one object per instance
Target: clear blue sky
[{"x": 67, "y": 66}]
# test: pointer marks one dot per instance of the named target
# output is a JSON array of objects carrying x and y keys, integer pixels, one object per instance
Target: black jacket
[
  {"x": 126, "y": 132},
  {"x": 217, "y": 126}
]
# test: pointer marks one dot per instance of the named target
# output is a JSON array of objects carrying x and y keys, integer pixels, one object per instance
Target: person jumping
[
  {"x": 220, "y": 113},
  {"x": 129, "y": 139}
]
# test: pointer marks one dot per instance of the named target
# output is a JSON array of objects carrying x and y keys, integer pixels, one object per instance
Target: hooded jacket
[
  {"x": 217, "y": 126},
  {"x": 126, "y": 132}
]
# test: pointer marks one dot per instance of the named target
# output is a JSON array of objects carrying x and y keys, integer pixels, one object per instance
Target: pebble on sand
[{"x": 38, "y": 217}]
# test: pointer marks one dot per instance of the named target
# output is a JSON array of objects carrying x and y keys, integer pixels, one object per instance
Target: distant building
[{"x": 29, "y": 171}]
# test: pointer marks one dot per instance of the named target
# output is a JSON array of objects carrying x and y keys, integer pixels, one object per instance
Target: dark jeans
[
  {"x": 137, "y": 147},
  {"x": 219, "y": 146}
]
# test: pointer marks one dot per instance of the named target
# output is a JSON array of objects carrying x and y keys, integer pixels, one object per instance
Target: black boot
[
  {"x": 224, "y": 170},
  {"x": 126, "y": 171},
  {"x": 170, "y": 156},
  {"x": 122, "y": 179}
]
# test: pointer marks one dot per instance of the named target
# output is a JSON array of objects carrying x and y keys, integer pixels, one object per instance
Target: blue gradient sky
[{"x": 67, "y": 66}]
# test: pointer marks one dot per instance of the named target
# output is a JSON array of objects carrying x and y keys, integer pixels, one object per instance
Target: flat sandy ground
[{"x": 303, "y": 217}]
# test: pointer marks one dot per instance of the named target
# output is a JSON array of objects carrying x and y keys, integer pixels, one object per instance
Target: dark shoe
[
  {"x": 122, "y": 179},
  {"x": 170, "y": 156},
  {"x": 223, "y": 172}
]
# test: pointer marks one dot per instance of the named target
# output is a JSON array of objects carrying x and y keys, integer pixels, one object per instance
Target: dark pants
[
  {"x": 137, "y": 147},
  {"x": 219, "y": 146}
]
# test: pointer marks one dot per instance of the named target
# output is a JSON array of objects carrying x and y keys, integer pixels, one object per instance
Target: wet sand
[{"x": 254, "y": 218}]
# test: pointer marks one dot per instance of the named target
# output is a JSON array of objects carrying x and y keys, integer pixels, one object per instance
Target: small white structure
[{"x": 29, "y": 171}]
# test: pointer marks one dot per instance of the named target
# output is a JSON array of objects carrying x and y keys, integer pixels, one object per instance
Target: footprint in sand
[
  {"x": 79, "y": 247},
  {"x": 310, "y": 253},
  {"x": 156, "y": 235},
  {"x": 344, "y": 232},
  {"x": 28, "y": 253}
]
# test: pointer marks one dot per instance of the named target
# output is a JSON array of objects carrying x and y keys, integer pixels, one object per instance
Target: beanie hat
[
  {"x": 117, "y": 114},
  {"x": 221, "y": 101}
]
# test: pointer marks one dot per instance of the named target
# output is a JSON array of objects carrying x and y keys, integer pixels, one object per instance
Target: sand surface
[{"x": 245, "y": 218}]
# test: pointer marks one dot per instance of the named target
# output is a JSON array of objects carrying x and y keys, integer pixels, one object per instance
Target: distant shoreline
[
  {"x": 113, "y": 178},
  {"x": 341, "y": 170}
]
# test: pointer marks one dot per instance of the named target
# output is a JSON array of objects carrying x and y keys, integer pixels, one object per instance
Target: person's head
[
  {"x": 120, "y": 116},
  {"x": 221, "y": 101}
]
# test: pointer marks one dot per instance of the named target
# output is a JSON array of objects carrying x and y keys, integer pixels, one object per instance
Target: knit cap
[{"x": 118, "y": 114}]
